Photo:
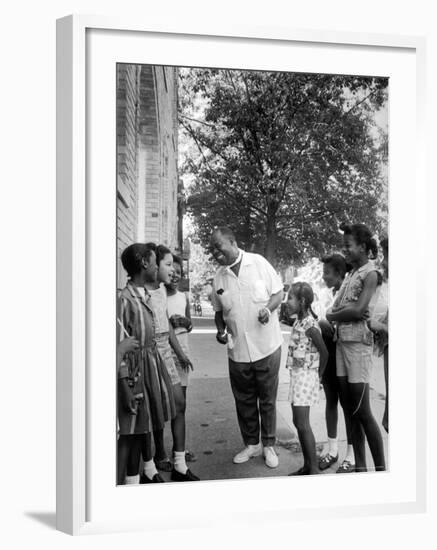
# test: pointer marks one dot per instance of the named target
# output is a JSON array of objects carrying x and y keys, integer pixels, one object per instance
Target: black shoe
[
  {"x": 189, "y": 476},
  {"x": 156, "y": 479},
  {"x": 164, "y": 465},
  {"x": 327, "y": 461},
  {"x": 301, "y": 472}
]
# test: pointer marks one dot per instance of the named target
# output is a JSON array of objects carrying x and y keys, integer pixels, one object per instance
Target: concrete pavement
[{"x": 212, "y": 428}]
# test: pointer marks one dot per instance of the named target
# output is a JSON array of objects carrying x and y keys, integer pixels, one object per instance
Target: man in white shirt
[{"x": 246, "y": 294}]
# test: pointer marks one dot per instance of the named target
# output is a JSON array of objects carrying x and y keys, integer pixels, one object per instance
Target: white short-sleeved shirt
[{"x": 240, "y": 302}]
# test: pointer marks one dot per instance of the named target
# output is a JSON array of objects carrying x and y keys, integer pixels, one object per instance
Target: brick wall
[
  {"x": 127, "y": 189},
  {"x": 166, "y": 79},
  {"x": 147, "y": 156}
]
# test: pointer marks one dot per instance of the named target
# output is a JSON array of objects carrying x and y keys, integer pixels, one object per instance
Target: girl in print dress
[
  {"x": 145, "y": 393},
  {"x": 307, "y": 358}
]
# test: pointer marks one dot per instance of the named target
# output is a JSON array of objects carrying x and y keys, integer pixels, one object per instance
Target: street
[{"x": 212, "y": 428}]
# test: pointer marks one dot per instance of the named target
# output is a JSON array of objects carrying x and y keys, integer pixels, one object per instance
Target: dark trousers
[{"x": 255, "y": 386}]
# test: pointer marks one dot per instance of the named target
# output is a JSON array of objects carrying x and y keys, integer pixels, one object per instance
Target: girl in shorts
[
  {"x": 350, "y": 312},
  {"x": 307, "y": 357}
]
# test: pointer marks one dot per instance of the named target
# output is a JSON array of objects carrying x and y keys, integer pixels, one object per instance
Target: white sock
[
  {"x": 179, "y": 462},
  {"x": 333, "y": 446},
  {"x": 350, "y": 457},
  {"x": 132, "y": 480},
  {"x": 150, "y": 469}
]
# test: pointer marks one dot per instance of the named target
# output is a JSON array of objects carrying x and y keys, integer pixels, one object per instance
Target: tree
[
  {"x": 282, "y": 158},
  {"x": 202, "y": 269}
]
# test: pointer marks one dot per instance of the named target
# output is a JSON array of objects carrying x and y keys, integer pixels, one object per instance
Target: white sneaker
[
  {"x": 270, "y": 457},
  {"x": 248, "y": 452}
]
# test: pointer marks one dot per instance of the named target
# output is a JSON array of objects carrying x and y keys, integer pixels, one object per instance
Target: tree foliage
[
  {"x": 202, "y": 269},
  {"x": 282, "y": 158}
]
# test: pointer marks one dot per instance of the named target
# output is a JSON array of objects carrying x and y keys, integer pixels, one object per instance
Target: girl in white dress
[{"x": 178, "y": 310}]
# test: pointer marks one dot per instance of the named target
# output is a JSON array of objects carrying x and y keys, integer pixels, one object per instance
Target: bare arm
[
  {"x": 221, "y": 337},
  {"x": 378, "y": 326},
  {"x": 187, "y": 308},
  {"x": 126, "y": 396},
  {"x": 317, "y": 339},
  {"x": 355, "y": 312},
  {"x": 272, "y": 304},
  {"x": 275, "y": 300},
  {"x": 219, "y": 321},
  {"x": 174, "y": 343}
]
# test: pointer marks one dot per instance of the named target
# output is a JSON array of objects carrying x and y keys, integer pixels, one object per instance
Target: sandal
[
  {"x": 327, "y": 461},
  {"x": 164, "y": 465},
  {"x": 346, "y": 467}
]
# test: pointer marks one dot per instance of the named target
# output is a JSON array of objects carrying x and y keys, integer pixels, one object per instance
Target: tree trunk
[{"x": 270, "y": 246}]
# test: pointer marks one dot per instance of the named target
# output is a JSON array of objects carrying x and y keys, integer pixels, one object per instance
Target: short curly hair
[
  {"x": 337, "y": 262},
  {"x": 132, "y": 257},
  {"x": 361, "y": 235}
]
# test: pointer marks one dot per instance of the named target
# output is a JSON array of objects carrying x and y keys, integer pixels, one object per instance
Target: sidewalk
[{"x": 212, "y": 428}]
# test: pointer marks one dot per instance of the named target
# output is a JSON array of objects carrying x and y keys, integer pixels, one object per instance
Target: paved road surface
[{"x": 212, "y": 429}]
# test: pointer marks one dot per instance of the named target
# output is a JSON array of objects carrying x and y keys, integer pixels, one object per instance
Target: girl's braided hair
[{"x": 304, "y": 293}]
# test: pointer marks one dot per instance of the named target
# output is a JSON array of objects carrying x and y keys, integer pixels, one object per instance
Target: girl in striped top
[{"x": 145, "y": 392}]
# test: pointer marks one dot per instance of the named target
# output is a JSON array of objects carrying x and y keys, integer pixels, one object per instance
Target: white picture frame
[{"x": 74, "y": 278}]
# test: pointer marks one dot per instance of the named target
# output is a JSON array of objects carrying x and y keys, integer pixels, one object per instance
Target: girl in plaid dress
[
  {"x": 307, "y": 358},
  {"x": 145, "y": 392}
]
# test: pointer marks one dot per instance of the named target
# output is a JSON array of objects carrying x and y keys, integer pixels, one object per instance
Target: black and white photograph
[
  {"x": 252, "y": 274},
  {"x": 198, "y": 238}
]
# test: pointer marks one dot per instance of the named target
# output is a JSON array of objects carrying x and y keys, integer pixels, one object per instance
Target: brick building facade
[{"x": 147, "y": 157}]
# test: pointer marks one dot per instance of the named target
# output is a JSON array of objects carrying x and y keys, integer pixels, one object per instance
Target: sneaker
[
  {"x": 270, "y": 457},
  {"x": 248, "y": 452}
]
